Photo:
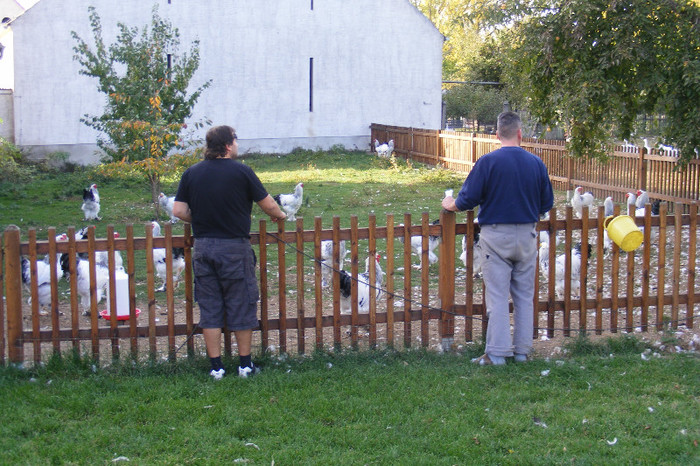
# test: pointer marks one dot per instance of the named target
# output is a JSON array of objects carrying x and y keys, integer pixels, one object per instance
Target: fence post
[
  {"x": 446, "y": 288},
  {"x": 642, "y": 169},
  {"x": 13, "y": 289}
]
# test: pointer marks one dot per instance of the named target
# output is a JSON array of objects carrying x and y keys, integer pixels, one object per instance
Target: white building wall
[{"x": 373, "y": 61}]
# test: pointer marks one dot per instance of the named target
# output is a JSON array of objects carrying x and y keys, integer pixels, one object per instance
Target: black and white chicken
[
  {"x": 417, "y": 246},
  {"x": 167, "y": 202},
  {"x": 363, "y": 287},
  {"x": 101, "y": 257},
  {"x": 82, "y": 273},
  {"x": 43, "y": 277},
  {"x": 384, "y": 150},
  {"x": 160, "y": 261},
  {"x": 91, "y": 203},
  {"x": 581, "y": 199},
  {"x": 291, "y": 203},
  {"x": 327, "y": 260}
]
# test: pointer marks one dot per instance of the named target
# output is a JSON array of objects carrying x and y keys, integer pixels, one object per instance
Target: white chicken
[
  {"x": 43, "y": 277},
  {"x": 291, "y": 203},
  {"x": 581, "y": 199},
  {"x": 609, "y": 211},
  {"x": 167, "y": 202},
  {"x": 631, "y": 200},
  {"x": 385, "y": 150},
  {"x": 82, "y": 273},
  {"x": 160, "y": 261},
  {"x": 363, "y": 287},
  {"x": 91, "y": 203},
  {"x": 102, "y": 257},
  {"x": 560, "y": 264},
  {"x": 476, "y": 252},
  {"x": 417, "y": 246},
  {"x": 640, "y": 202},
  {"x": 327, "y": 260}
]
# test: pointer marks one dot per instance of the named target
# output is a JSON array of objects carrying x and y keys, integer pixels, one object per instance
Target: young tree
[
  {"x": 145, "y": 81},
  {"x": 593, "y": 66}
]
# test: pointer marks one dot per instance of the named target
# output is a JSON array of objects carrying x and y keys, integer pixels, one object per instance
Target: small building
[{"x": 285, "y": 73}]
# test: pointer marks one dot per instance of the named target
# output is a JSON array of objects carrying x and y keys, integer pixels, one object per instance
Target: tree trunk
[{"x": 154, "y": 180}]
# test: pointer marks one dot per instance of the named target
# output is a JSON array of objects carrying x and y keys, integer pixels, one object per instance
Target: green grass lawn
[
  {"x": 335, "y": 183},
  {"x": 373, "y": 407}
]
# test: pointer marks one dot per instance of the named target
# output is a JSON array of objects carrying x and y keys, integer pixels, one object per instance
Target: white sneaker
[
  {"x": 217, "y": 375},
  {"x": 248, "y": 371}
]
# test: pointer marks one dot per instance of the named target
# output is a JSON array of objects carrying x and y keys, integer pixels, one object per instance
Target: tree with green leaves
[
  {"x": 593, "y": 66},
  {"x": 468, "y": 55},
  {"x": 145, "y": 80}
]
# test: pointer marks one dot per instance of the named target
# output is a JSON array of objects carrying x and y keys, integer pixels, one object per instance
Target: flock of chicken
[
  {"x": 636, "y": 202},
  {"x": 91, "y": 210},
  {"x": 290, "y": 204}
]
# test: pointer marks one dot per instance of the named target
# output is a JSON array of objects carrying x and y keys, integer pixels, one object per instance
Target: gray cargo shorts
[{"x": 225, "y": 285}]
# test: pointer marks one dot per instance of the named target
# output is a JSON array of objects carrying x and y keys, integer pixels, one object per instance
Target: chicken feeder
[
  {"x": 122, "y": 291},
  {"x": 624, "y": 232}
]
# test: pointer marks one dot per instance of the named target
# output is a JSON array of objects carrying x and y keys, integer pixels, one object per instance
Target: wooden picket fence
[
  {"x": 650, "y": 288},
  {"x": 627, "y": 168}
]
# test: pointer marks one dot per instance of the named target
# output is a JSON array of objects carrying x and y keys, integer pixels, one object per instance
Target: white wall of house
[{"x": 373, "y": 61}]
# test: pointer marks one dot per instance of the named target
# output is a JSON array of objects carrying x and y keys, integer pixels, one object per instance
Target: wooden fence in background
[
  {"x": 652, "y": 287},
  {"x": 627, "y": 169}
]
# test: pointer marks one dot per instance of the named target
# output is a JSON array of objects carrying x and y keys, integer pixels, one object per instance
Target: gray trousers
[{"x": 509, "y": 254}]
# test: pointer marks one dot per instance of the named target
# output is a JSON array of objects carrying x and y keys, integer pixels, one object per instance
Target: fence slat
[
  {"x": 425, "y": 276},
  {"x": 150, "y": 285},
  {"x": 282, "y": 289},
  {"x": 300, "y": 285},
  {"x": 447, "y": 278},
  {"x": 318, "y": 291},
  {"x": 53, "y": 283},
  {"x": 407, "y": 290},
  {"x": 354, "y": 271},
  {"x": 2, "y": 302},
  {"x": 677, "y": 230},
  {"x": 131, "y": 274},
  {"x": 264, "y": 311},
  {"x": 692, "y": 252},
  {"x": 661, "y": 266}
]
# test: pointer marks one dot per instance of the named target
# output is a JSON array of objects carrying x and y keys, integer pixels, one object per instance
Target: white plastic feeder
[{"x": 122, "y": 288}]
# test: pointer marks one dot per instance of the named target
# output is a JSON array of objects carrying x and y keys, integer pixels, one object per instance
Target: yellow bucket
[{"x": 624, "y": 232}]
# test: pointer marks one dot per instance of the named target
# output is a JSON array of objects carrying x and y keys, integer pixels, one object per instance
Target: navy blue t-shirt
[
  {"x": 220, "y": 194},
  {"x": 510, "y": 185}
]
